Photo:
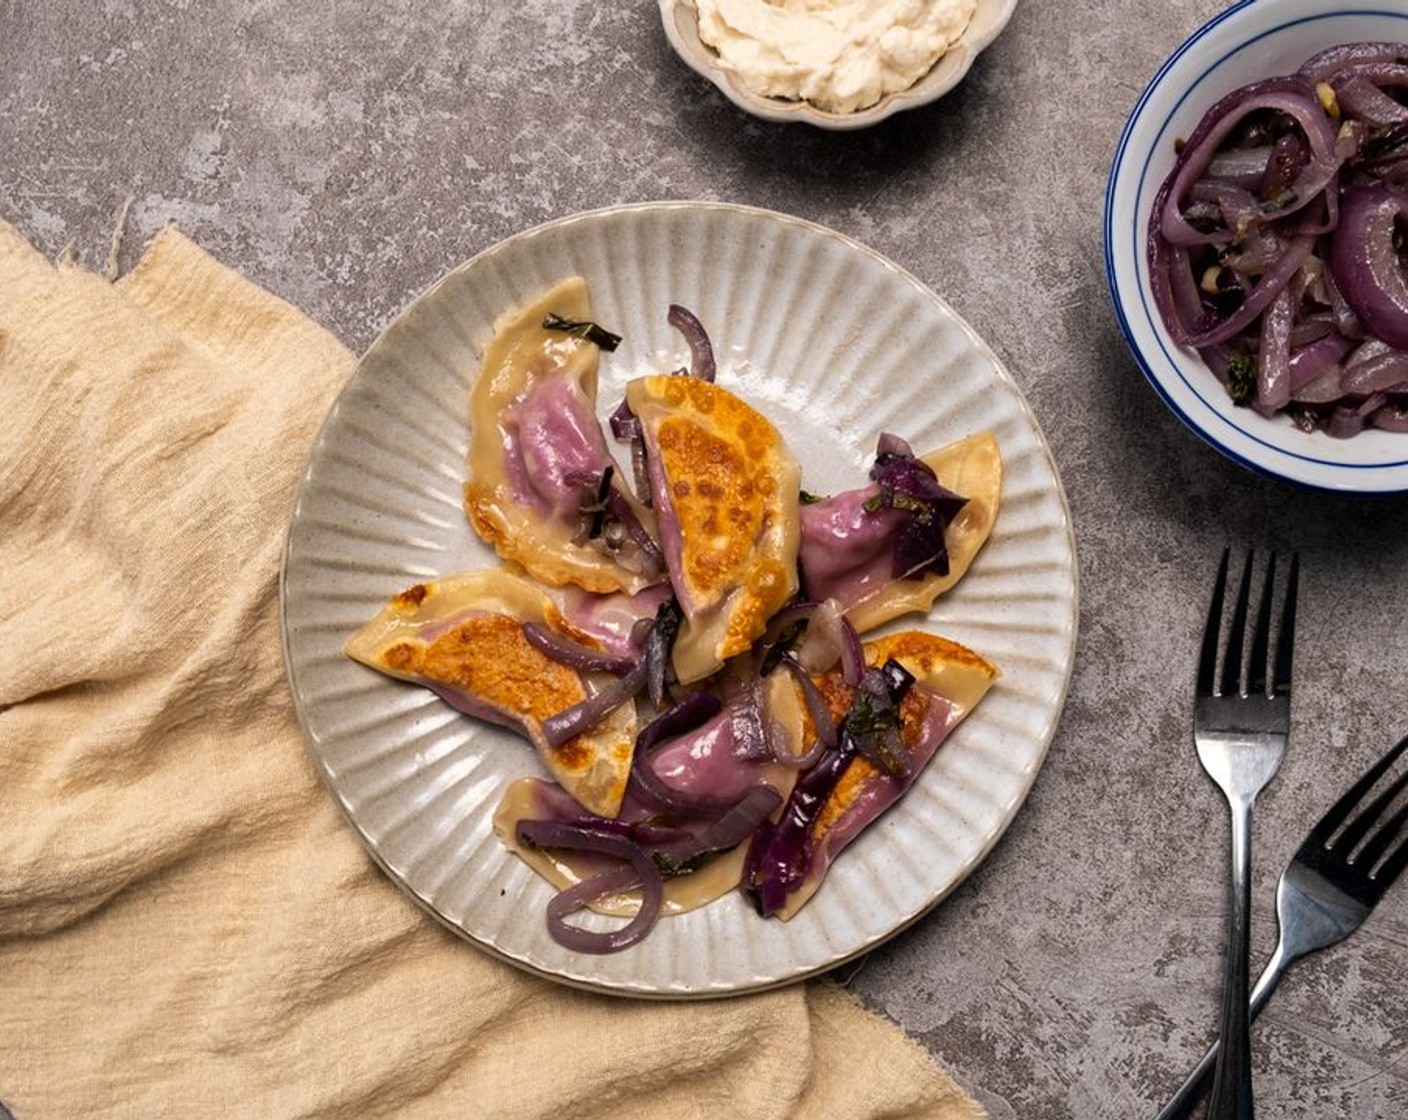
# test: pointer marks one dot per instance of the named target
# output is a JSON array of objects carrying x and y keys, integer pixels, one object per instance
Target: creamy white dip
[{"x": 839, "y": 55}]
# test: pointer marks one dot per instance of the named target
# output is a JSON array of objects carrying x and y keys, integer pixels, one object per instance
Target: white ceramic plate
[
  {"x": 835, "y": 344},
  {"x": 681, "y": 22},
  {"x": 1251, "y": 40}
]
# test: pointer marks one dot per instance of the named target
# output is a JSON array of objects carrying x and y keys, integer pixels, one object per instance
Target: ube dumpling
[
  {"x": 724, "y": 487},
  {"x": 845, "y": 791},
  {"x": 714, "y": 760},
  {"x": 464, "y": 638},
  {"x": 895, "y": 545},
  {"x": 544, "y": 490}
]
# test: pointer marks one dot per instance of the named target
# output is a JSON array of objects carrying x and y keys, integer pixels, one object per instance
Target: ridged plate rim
[{"x": 342, "y": 559}]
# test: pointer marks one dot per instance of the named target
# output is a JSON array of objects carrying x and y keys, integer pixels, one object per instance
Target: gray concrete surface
[{"x": 346, "y": 154}]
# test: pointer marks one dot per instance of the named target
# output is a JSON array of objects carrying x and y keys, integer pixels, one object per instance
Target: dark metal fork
[
  {"x": 1325, "y": 893},
  {"x": 1241, "y": 721}
]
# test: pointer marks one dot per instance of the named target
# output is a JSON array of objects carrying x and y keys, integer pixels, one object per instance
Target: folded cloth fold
[{"x": 187, "y": 925}]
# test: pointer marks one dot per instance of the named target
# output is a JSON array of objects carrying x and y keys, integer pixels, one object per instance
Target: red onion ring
[
  {"x": 639, "y": 870},
  {"x": 1292, "y": 96},
  {"x": 701, "y": 364},
  {"x": 820, "y": 713},
  {"x": 1365, "y": 264}
]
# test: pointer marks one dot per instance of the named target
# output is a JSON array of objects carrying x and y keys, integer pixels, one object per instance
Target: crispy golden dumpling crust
[
  {"x": 463, "y": 636},
  {"x": 725, "y": 487}
]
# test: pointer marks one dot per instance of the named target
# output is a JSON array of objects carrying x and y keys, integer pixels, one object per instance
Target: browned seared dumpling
[
  {"x": 464, "y": 638},
  {"x": 724, "y": 487}
]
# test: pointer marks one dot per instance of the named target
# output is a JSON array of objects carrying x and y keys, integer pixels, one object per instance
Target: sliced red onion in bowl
[
  {"x": 1365, "y": 261},
  {"x": 1274, "y": 244}
]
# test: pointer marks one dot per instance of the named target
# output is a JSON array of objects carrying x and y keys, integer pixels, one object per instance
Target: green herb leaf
[
  {"x": 1241, "y": 379},
  {"x": 583, "y": 328},
  {"x": 869, "y": 715}
]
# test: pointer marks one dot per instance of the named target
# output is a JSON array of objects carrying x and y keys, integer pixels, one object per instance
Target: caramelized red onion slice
[
  {"x": 586, "y": 714},
  {"x": 1350, "y": 419},
  {"x": 818, "y": 710},
  {"x": 1365, "y": 263},
  {"x": 637, "y": 870},
  {"x": 1315, "y": 363},
  {"x": 852, "y": 653},
  {"x": 1326, "y": 64},
  {"x": 625, "y": 427},
  {"x": 652, "y": 672},
  {"x": 721, "y": 835},
  {"x": 748, "y": 720},
  {"x": 1376, "y": 367},
  {"x": 1266, "y": 289},
  {"x": 1273, "y": 367},
  {"x": 1391, "y": 418},
  {"x": 1296, "y": 98},
  {"x": 574, "y": 654},
  {"x": 1360, "y": 96},
  {"x": 701, "y": 351}
]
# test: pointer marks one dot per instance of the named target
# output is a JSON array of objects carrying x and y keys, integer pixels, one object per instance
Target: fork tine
[
  {"x": 1325, "y": 828},
  {"x": 1378, "y": 845},
  {"x": 1261, "y": 633},
  {"x": 1394, "y": 865},
  {"x": 1236, "y": 636},
  {"x": 1281, "y": 675},
  {"x": 1207, "y": 660}
]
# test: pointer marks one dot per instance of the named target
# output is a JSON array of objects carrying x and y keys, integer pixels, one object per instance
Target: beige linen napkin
[{"x": 187, "y": 925}]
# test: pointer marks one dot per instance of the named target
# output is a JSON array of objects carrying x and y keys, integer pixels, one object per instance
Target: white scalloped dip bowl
[
  {"x": 1251, "y": 40},
  {"x": 681, "y": 20}
]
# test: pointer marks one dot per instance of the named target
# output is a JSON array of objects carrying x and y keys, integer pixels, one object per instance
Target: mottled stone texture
[{"x": 345, "y": 154}]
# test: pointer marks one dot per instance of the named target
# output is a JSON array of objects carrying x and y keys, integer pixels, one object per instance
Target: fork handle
[
  {"x": 1232, "y": 1075},
  {"x": 1181, "y": 1105}
]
